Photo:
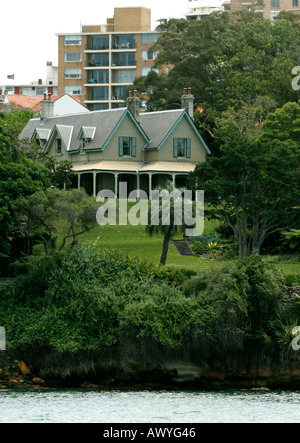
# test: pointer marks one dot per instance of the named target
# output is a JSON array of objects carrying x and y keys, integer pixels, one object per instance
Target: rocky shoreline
[
  {"x": 19, "y": 376},
  {"x": 146, "y": 366}
]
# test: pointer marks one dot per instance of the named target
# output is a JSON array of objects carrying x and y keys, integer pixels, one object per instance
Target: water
[{"x": 116, "y": 406}]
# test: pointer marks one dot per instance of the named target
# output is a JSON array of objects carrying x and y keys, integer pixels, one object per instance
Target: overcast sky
[{"x": 28, "y": 29}]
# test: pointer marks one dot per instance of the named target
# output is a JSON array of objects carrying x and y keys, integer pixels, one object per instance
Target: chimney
[
  {"x": 133, "y": 104},
  {"x": 187, "y": 102},
  {"x": 47, "y": 107}
]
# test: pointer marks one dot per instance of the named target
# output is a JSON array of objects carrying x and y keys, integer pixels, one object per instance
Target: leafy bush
[
  {"x": 199, "y": 247},
  {"x": 292, "y": 279},
  {"x": 80, "y": 299}
]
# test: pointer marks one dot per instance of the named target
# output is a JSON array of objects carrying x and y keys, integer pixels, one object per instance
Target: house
[
  {"x": 61, "y": 104},
  {"x": 107, "y": 147}
]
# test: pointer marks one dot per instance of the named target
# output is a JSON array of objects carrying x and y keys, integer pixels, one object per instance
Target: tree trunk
[{"x": 164, "y": 253}]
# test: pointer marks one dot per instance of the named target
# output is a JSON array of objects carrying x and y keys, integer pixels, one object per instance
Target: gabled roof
[
  {"x": 159, "y": 125},
  {"x": 70, "y": 128},
  {"x": 87, "y": 132},
  {"x": 100, "y": 126},
  {"x": 43, "y": 134}
]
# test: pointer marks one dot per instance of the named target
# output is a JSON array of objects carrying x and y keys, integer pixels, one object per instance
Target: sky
[{"x": 28, "y": 29}]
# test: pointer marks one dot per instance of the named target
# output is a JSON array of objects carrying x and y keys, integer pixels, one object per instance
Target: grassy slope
[{"x": 136, "y": 242}]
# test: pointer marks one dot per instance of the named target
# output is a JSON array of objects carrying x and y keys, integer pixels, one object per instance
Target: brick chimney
[
  {"x": 47, "y": 107},
  {"x": 187, "y": 102},
  {"x": 133, "y": 104}
]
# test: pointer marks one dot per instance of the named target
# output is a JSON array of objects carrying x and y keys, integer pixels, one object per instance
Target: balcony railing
[
  {"x": 124, "y": 46},
  {"x": 96, "y": 48},
  {"x": 93, "y": 81}
]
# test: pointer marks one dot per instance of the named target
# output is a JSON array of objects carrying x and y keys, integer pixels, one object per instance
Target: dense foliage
[{"x": 80, "y": 299}]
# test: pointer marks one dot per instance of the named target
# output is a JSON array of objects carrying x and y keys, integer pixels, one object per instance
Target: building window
[
  {"x": 73, "y": 90},
  {"x": 149, "y": 55},
  {"x": 182, "y": 147},
  {"x": 125, "y": 59},
  {"x": 99, "y": 43},
  {"x": 274, "y": 3},
  {"x": 273, "y": 15},
  {"x": 58, "y": 146},
  {"x": 127, "y": 146},
  {"x": 124, "y": 75},
  {"x": 99, "y": 93},
  {"x": 149, "y": 38},
  {"x": 100, "y": 106},
  {"x": 99, "y": 76},
  {"x": 72, "y": 56},
  {"x": 72, "y": 73},
  {"x": 145, "y": 71},
  {"x": 100, "y": 60},
  {"x": 119, "y": 93},
  {"x": 124, "y": 42},
  {"x": 72, "y": 39},
  {"x": 295, "y": 3}
]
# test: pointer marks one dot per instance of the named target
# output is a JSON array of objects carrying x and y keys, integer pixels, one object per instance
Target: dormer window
[
  {"x": 86, "y": 135},
  {"x": 85, "y": 141}
]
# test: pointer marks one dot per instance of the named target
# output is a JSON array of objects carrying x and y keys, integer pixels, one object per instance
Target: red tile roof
[{"x": 31, "y": 102}]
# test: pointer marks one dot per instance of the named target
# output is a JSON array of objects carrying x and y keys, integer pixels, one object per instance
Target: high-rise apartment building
[
  {"x": 268, "y": 8},
  {"x": 100, "y": 62}
]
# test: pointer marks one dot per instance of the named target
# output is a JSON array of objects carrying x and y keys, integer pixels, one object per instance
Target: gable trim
[
  {"x": 51, "y": 138},
  {"x": 175, "y": 125},
  {"x": 116, "y": 128}
]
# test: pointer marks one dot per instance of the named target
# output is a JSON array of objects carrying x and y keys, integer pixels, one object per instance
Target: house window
[
  {"x": 295, "y": 3},
  {"x": 58, "y": 146},
  {"x": 127, "y": 146},
  {"x": 182, "y": 147},
  {"x": 274, "y": 3},
  {"x": 72, "y": 56}
]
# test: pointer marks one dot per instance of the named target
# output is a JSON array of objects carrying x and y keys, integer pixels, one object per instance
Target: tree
[
  {"x": 165, "y": 216},
  {"x": 36, "y": 216},
  {"x": 20, "y": 177},
  {"x": 228, "y": 64},
  {"x": 252, "y": 185},
  {"x": 60, "y": 172},
  {"x": 39, "y": 213}
]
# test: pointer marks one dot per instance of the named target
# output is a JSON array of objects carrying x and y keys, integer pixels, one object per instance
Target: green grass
[{"x": 134, "y": 241}]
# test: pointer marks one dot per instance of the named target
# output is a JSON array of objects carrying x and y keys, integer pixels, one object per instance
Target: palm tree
[{"x": 165, "y": 216}]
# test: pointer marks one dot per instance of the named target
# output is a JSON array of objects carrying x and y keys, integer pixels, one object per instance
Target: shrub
[{"x": 199, "y": 247}]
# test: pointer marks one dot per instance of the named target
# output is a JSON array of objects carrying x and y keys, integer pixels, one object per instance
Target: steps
[{"x": 182, "y": 247}]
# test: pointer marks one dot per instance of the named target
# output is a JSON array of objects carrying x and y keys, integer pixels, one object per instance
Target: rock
[
  {"x": 263, "y": 388},
  {"x": 38, "y": 380},
  {"x": 87, "y": 385},
  {"x": 23, "y": 368}
]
